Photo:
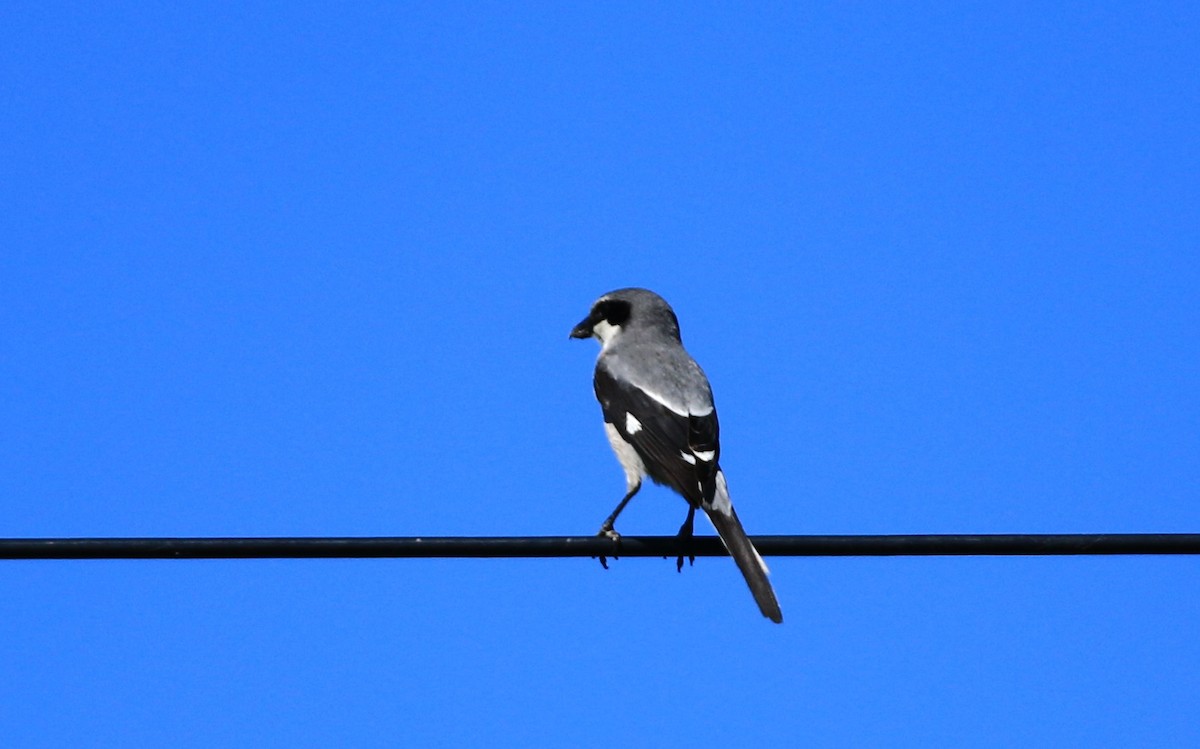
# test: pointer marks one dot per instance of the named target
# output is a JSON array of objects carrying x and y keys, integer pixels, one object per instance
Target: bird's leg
[
  {"x": 607, "y": 528},
  {"x": 685, "y": 536}
]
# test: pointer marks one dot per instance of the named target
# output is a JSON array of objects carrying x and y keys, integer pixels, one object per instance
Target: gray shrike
[{"x": 661, "y": 421}]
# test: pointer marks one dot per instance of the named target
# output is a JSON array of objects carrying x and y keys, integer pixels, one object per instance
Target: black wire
[{"x": 591, "y": 546}]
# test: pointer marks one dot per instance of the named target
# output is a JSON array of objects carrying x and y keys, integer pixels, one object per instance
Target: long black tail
[{"x": 753, "y": 568}]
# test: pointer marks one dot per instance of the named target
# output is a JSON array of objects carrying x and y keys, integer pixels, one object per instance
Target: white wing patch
[
  {"x": 632, "y": 425},
  {"x": 705, "y": 455},
  {"x": 687, "y": 457}
]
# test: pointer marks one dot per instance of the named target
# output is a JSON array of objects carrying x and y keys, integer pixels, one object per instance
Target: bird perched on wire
[{"x": 660, "y": 419}]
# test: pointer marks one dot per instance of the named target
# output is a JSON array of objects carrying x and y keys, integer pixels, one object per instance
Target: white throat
[{"x": 605, "y": 332}]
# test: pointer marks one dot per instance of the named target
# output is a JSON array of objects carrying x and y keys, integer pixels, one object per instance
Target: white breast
[{"x": 631, "y": 462}]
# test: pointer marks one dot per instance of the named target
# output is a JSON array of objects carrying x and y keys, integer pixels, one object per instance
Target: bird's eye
[{"x": 615, "y": 311}]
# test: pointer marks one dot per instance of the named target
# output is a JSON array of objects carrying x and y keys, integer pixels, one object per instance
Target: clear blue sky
[{"x": 305, "y": 269}]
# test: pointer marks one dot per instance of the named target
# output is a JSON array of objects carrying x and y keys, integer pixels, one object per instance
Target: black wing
[{"x": 678, "y": 450}]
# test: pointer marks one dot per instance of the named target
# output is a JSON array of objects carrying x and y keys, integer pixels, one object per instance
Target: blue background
[{"x": 305, "y": 269}]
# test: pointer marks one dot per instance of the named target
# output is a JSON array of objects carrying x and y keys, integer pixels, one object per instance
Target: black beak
[{"x": 584, "y": 328}]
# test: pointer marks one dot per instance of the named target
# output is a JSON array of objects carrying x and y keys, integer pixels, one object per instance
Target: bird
[{"x": 661, "y": 421}]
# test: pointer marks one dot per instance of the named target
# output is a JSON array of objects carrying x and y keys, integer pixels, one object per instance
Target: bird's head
[{"x": 624, "y": 308}]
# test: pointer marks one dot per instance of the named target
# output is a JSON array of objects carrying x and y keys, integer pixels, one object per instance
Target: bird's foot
[
  {"x": 607, "y": 531},
  {"x": 685, "y": 537}
]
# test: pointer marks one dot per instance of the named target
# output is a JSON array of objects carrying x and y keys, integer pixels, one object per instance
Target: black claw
[
  {"x": 679, "y": 562},
  {"x": 685, "y": 536},
  {"x": 607, "y": 531}
]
